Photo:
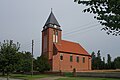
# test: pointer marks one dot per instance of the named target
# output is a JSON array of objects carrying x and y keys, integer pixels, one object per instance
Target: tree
[
  {"x": 109, "y": 61},
  {"x": 27, "y": 62},
  {"x": 42, "y": 64},
  {"x": 93, "y": 60},
  {"x": 97, "y": 63},
  {"x": 8, "y": 57},
  {"x": 98, "y": 59},
  {"x": 107, "y": 12},
  {"x": 117, "y": 62},
  {"x": 19, "y": 66},
  {"x": 24, "y": 64},
  {"x": 103, "y": 63},
  {"x": 104, "y": 60}
]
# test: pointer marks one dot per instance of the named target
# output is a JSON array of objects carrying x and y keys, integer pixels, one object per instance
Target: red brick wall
[
  {"x": 49, "y": 51},
  {"x": 66, "y": 66}
]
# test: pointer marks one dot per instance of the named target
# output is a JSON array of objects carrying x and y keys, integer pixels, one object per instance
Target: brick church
[{"x": 62, "y": 54}]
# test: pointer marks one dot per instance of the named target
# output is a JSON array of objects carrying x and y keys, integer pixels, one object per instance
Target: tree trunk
[{"x": 7, "y": 75}]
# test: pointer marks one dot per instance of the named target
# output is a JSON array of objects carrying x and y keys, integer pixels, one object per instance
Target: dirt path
[{"x": 51, "y": 78}]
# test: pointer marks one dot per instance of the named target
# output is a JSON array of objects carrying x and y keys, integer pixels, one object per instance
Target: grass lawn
[
  {"x": 27, "y": 77},
  {"x": 85, "y": 78},
  {"x": 68, "y": 76}
]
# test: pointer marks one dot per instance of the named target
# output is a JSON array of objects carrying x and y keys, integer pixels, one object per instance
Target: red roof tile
[{"x": 71, "y": 47}]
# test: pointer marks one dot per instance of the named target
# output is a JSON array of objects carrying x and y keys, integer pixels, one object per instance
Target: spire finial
[{"x": 51, "y": 9}]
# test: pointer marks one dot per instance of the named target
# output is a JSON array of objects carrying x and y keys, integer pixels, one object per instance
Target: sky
[{"x": 23, "y": 20}]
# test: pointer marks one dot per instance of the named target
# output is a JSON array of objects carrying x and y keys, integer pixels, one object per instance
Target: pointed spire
[
  {"x": 51, "y": 9},
  {"x": 52, "y": 20}
]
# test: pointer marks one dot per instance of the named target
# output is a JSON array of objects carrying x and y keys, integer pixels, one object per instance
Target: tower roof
[{"x": 52, "y": 20}]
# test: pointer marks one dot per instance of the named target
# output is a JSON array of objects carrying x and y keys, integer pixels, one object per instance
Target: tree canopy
[
  {"x": 107, "y": 12},
  {"x": 8, "y": 57},
  {"x": 41, "y": 64},
  {"x": 24, "y": 62},
  {"x": 98, "y": 63},
  {"x": 117, "y": 62}
]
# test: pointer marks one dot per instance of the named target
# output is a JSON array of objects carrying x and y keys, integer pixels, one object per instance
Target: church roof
[
  {"x": 51, "y": 19},
  {"x": 71, "y": 47}
]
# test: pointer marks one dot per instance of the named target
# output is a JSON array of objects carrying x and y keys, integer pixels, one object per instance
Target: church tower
[{"x": 51, "y": 33}]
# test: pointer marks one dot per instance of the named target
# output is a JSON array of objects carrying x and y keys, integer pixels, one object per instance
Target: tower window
[
  {"x": 55, "y": 32},
  {"x": 77, "y": 58},
  {"x": 51, "y": 25},
  {"x": 71, "y": 58},
  {"x": 55, "y": 36},
  {"x": 55, "y": 26}
]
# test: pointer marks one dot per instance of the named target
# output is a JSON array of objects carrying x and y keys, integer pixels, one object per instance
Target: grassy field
[
  {"x": 68, "y": 76},
  {"x": 27, "y": 77},
  {"x": 85, "y": 78}
]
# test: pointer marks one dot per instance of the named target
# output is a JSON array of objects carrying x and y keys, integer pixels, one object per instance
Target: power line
[
  {"x": 82, "y": 29},
  {"x": 82, "y": 32},
  {"x": 83, "y": 25},
  {"x": 89, "y": 29}
]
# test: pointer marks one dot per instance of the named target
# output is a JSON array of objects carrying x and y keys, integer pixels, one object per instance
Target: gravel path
[{"x": 9, "y": 79}]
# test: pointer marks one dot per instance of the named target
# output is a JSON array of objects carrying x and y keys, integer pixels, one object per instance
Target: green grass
[
  {"x": 68, "y": 74},
  {"x": 70, "y": 77},
  {"x": 27, "y": 77},
  {"x": 85, "y": 78}
]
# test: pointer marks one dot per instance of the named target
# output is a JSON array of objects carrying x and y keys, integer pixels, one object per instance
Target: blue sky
[{"x": 22, "y": 21}]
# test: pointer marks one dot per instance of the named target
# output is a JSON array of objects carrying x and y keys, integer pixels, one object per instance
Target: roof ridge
[{"x": 70, "y": 41}]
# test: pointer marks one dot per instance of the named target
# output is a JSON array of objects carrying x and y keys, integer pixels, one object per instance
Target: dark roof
[
  {"x": 71, "y": 47},
  {"x": 51, "y": 19}
]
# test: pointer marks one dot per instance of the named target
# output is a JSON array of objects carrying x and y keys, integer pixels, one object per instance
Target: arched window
[{"x": 55, "y": 36}]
